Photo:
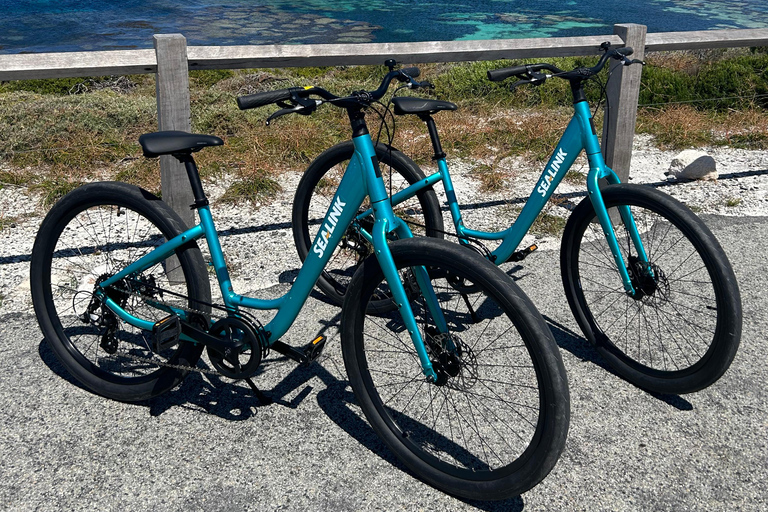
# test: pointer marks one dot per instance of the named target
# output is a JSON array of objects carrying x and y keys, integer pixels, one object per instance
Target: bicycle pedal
[
  {"x": 165, "y": 333},
  {"x": 314, "y": 349},
  {"x": 523, "y": 253}
]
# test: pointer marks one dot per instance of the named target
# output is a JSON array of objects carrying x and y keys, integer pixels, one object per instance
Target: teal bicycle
[
  {"x": 647, "y": 282},
  {"x": 461, "y": 378}
]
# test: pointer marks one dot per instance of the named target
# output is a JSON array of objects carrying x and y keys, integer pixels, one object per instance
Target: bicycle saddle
[
  {"x": 174, "y": 142},
  {"x": 408, "y": 105}
]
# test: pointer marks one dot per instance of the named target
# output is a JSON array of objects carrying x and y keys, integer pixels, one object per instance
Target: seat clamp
[
  {"x": 199, "y": 203},
  {"x": 438, "y": 156}
]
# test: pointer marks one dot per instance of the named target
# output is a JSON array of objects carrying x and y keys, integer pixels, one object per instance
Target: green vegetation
[
  {"x": 256, "y": 186},
  {"x": 491, "y": 179},
  {"x": 59, "y": 133},
  {"x": 548, "y": 224},
  {"x": 740, "y": 80},
  {"x": 6, "y": 222}
]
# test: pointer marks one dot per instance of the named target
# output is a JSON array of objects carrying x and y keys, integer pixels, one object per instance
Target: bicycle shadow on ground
[
  {"x": 581, "y": 348},
  {"x": 211, "y": 393},
  {"x": 235, "y": 402},
  {"x": 338, "y": 403}
]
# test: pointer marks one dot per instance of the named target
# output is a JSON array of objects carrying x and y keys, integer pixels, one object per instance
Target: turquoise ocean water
[{"x": 69, "y": 25}]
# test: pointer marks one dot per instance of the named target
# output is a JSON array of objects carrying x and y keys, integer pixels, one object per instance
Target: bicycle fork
[{"x": 597, "y": 171}]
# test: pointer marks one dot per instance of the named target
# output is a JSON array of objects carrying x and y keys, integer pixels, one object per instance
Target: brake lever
[
  {"x": 628, "y": 62},
  {"x": 536, "y": 79},
  {"x": 420, "y": 85},
  {"x": 298, "y": 109},
  {"x": 532, "y": 81}
]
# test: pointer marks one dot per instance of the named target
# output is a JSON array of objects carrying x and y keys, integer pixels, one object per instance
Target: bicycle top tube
[{"x": 579, "y": 135}]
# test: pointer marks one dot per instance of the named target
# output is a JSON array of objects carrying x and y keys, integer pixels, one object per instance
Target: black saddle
[
  {"x": 408, "y": 105},
  {"x": 175, "y": 142}
]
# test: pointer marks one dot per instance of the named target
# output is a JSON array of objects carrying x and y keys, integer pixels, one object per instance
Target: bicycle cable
[{"x": 390, "y": 133}]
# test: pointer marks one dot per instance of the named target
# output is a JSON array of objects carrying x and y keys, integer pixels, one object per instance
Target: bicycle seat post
[
  {"x": 194, "y": 179},
  {"x": 432, "y": 129}
]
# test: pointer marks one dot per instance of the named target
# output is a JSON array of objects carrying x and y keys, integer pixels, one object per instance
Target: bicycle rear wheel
[
  {"x": 495, "y": 423},
  {"x": 87, "y": 237},
  {"x": 315, "y": 193},
  {"x": 681, "y": 332}
]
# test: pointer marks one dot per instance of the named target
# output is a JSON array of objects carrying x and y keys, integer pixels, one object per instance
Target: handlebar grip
[
  {"x": 627, "y": 50},
  {"x": 412, "y": 72},
  {"x": 264, "y": 98},
  {"x": 497, "y": 75}
]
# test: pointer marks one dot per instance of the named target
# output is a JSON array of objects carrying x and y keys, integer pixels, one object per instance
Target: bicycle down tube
[
  {"x": 361, "y": 178},
  {"x": 579, "y": 135}
]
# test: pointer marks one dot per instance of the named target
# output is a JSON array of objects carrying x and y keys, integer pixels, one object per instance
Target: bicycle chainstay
[{"x": 153, "y": 301}]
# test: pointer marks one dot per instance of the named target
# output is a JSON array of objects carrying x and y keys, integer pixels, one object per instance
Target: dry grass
[
  {"x": 54, "y": 139},
  {"x": 491, "y": 178},
  {"x": 682, "y": 126}
]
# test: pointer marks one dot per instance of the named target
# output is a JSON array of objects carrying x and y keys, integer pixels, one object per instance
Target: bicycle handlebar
[
  {"x": 497, "y": 75},
  {"x": 265, "y": 98},
  {"x": 529, "y": 73},
  {"x": 412, "y": 72},
  {"x": 299, "y": 95}
]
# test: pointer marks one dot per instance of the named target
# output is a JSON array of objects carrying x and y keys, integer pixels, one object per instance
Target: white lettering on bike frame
[
  {"x": 551, "y": 172},
  {"x": 327, "y": 230}
]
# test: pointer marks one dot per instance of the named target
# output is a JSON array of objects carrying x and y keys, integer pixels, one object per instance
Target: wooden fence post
[
  {"x": 622, "y": 93},
  {"x": 173, "y": 113}
]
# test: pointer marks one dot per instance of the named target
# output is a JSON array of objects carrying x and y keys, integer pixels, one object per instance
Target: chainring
[{"x": 242, "y": 358}]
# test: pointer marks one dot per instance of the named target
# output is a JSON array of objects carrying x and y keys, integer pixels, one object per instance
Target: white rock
[{"x": 693, "y": 164}]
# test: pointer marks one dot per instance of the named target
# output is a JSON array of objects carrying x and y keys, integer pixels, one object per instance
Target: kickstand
[
  {"x": 260, "y": 396},
  {"x": 472, "y": 313}
]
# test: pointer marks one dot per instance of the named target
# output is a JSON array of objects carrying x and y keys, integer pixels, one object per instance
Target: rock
[{"x": 693, "y": 164}]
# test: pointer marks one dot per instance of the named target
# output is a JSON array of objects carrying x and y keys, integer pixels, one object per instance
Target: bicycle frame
[
  {"x": 362, "y": 178},
  {"x": 580, "y": 134}
]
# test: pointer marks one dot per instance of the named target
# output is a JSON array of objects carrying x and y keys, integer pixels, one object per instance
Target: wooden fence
[{"x": 171, "y": 60}]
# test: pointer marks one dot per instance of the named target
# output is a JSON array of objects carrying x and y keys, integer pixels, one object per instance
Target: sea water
[{"x": 70, "y": 25}]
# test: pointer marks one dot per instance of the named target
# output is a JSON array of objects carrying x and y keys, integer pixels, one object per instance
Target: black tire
[
  {"x": 92, "y": 232},
  {"x": 313, "y": 198},
  {"x": 497, "y": 426},
  {"x": 682, "y": 335}
]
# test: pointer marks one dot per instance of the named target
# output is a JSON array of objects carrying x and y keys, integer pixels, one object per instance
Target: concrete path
[{"x": 208, "y": 445}]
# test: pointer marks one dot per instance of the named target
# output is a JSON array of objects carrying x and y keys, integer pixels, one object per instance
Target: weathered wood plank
[
  {"x": 232, "y": 57},
  {"x": 59, "y": 65},
  {"x": 173, "y": 113},
  {"x": 121, "y": 62},
  {"x": 703, "y": 39},
  {"x": 623, "y": 91}
]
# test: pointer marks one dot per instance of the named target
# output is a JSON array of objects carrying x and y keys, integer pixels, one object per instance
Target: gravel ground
[{"x": 208, "y": 445}]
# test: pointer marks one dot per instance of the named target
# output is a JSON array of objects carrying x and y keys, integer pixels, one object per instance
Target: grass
[
  {"x": 54, "y": 188},
  {"x": 547, "y": 224},
  {"x": 574, "y": 177},
  {"x": 682, "y": 126},
  {"x": 7, "y": 222},
  {"x": 490, "y": 178},
  {"x": 732, "y": 202},
  {"x": 60, "y": 133},
  {"x": 255, "y": 186}
]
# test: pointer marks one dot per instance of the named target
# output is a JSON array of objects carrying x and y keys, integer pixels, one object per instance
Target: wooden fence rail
[{"x": 172, "y": 58}]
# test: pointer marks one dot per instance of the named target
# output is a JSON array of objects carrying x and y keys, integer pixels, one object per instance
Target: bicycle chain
[{"x": 134, "y": 293}]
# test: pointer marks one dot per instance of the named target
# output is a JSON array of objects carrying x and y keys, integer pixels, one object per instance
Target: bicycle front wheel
[
  {"x": 495, "y": 422},
  {"x": 315, "y": 193},
  {"x": 88, "y": 236},
  {"x": 680, "y": 332}
]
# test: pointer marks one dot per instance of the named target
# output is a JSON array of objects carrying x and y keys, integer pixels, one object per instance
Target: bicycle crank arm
[
  {"x": 302, "y": 356},
  {"x": 163, "y": 327}
]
